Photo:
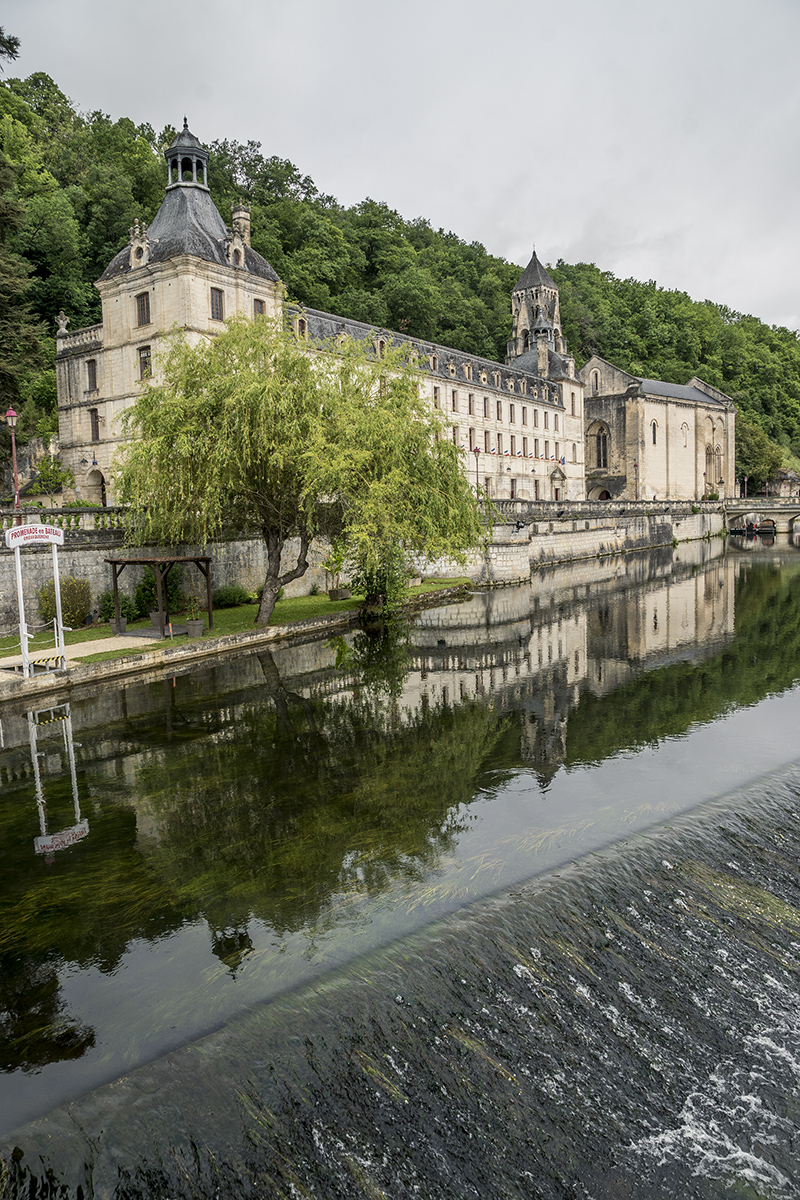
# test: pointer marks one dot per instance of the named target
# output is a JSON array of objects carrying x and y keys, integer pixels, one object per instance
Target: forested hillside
[{"x": 71, "y": 185}]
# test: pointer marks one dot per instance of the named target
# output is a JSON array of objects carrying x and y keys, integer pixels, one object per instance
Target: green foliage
[
  {"x": 76, "y": 600},
  {"x": 756, "y": 456},
  {"x": 230, "y": 596},
  {"x": 105, "y": 607},
  {"x": 146, "y": 598},
  {"x": 53, "y": 477}
]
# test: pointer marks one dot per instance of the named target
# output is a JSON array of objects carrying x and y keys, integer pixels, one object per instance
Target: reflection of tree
[
  {"x": 304, "y": 799},
  {"x": 34, "y": 1030},
  {"x": 763, "y": 658}
]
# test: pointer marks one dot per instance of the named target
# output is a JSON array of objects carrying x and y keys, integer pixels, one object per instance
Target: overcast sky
[{"x": 657, "y": 140}]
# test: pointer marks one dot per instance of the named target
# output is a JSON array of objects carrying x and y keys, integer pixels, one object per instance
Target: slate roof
[
  {"x": 678, "y": 391},
  {"x": 188, "y": 222},
  {"x": 534, "y": 276},
  {"x": 185, "y": 140}
]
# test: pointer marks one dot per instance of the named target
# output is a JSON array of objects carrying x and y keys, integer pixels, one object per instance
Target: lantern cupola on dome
[{"x": 186, "y": 159}]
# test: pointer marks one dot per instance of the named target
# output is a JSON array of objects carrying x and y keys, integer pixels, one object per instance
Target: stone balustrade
[
  {"x": 91, "y": 336},
  {"x": 86, "y": 519}
]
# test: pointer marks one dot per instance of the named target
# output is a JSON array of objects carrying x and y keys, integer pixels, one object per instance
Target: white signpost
[{"x": 17, "y": 537}]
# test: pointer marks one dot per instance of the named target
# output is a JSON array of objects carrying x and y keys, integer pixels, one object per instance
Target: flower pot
[
  {"x": 340, "y": 594},
  {"x": 154, "y": 618},
  {"x": 120, "y": 626},
  {"x": 195, "y": 628}
]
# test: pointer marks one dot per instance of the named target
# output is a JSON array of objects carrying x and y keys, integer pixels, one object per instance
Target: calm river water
[{"x": 508, "y": 906}]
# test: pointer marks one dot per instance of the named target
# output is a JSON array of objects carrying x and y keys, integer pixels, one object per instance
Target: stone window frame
[
  {"x": 437, "y": 403},
  {"x": 511, "y": 415},
  {"x": 145, "y": 360},
  {"x": 94, "y": 425},
  {"x": 499, "y": 410},
  {"x": 259, "y": 307},
  {"x": 91, "y": 374},
  {"x": 454, "y": 401},
  {"x": 217, "y": 304},
  {"x": 142, "y": 309},
  {"x": 524, "y": 415}
]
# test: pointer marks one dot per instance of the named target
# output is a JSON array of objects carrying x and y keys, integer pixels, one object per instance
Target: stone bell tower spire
[{"x": 535, "y": 312}]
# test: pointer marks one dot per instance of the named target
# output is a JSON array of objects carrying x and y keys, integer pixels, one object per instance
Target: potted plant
[
  {"x": 120, "y": 626},
  {"x": 194, "y": 622},
  {"x": 333, "y": 569}
]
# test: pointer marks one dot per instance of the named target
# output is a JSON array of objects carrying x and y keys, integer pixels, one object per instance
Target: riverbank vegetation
[{"x": 73, "y": 183}]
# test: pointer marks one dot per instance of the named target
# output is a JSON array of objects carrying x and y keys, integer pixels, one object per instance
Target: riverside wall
[{"x": 527, "y": 537}]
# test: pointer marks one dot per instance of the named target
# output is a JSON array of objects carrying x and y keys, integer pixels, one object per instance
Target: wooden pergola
[{"x": 161, "y": 568}]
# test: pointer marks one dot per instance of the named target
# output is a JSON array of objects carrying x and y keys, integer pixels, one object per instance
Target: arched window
[
  {"x": 595, "y": 382},
  {"x": 654, "y": 428},
  {"x": 717, "y": 464},
  {"x": 601, "y": 446},
  {"x": 685, "y": 433}
]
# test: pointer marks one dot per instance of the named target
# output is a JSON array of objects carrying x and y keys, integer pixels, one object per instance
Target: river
[{"x": 506, "y": 905}]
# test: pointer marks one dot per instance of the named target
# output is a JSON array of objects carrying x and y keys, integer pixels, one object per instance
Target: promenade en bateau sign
[{"x": 34, "y": 535}]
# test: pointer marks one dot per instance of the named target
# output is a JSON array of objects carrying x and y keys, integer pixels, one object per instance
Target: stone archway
[{"x": 94, "y": 489}]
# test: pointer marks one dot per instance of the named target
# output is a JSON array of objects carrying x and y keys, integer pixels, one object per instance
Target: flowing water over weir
[{"x": 462, "y": 1010}]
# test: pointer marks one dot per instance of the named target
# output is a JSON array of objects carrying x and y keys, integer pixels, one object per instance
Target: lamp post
[
  {"x": 11, "y": 418},
  {"x": 745, "y": 487},
  {"x": 705, "y": 485},
  {"x": 476, "y": 452}
]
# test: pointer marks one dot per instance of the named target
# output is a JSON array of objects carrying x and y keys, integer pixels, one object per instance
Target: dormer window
[
  {"x": 143, "y": 308},
  {"x": 381, "y": 349},
  {"x": 434, "y": 362},
  {"x": 302, "y": 328},
  {"x": 451, "y": 368},
  {"x": 496, "y": 378},
  {"x": 484, "y": 377},
  {"x": 468, "y": 370}
]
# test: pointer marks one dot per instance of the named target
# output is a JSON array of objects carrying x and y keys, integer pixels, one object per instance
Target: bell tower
[
  {"x": 186, "y": 159},
  {"x": 535, "y": 313}
]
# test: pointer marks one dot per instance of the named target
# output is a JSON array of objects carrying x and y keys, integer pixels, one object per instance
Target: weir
[{"x": 462, "y": 915}]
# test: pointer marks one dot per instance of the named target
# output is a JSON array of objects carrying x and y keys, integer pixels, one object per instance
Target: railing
[
  {"x": 81, "y": 337},
  {"x": 548, "y": 509},
  {"x": 84, "y": 519}
]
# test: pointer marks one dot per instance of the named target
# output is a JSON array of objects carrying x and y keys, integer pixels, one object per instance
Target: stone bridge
[{"x": 777, "y": 515}]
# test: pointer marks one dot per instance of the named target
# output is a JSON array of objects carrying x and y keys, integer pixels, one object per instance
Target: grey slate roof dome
[
  {"x": 188, "y": 222},
  {"x": 534, "y": 276}
]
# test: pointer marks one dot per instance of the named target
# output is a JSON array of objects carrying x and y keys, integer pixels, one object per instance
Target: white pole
[
  {"x": 23, "y": 628},
  {"x": 60, "y": 629}
]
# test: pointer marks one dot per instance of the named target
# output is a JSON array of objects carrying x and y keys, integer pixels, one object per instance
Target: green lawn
[{"x": 226, "y": 621}]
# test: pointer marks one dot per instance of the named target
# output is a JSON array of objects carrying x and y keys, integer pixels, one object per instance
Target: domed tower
[{"x": 186, "y": 271}]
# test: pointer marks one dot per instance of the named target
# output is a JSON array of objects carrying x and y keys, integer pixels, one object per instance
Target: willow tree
[{"x": 253, "y": 432}]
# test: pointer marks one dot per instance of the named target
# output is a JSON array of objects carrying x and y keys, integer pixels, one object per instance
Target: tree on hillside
[
  {"x": 756, "y": 456},
  {"x": 9, "y": 45},
  {"x": 19, "y": 332},
  {"x": 254, "y": 432}
]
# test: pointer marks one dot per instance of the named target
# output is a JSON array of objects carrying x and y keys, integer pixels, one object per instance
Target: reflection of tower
[
  {"x": 48, "y": 843},
  {"x": 231, "y": 945}
]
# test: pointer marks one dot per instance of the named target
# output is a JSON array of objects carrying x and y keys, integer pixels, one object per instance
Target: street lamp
[
  {"x": 745, "y": 487},
  {"x": 11, "y": 418},
  {"x": 705, "y": 485}
]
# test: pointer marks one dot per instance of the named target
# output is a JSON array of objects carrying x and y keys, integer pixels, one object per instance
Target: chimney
[{"x": 240, "y": 215}]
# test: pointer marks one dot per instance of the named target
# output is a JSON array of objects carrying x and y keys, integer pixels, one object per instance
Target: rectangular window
[
  {"x": 486, "y": 406},
  {"x": 524, "y": 416},
  {"x": 145, "y": 363},
  {"x": 536, "y": 418},
  {"x": 143, "y": 308},
  {"x": 572, "y": 403},
  {"x": 259, "y": 308},
  {"x": 91, "y": 375},
  {"x": 486, "y": 443},
  {"x": 547, "y": 449},
  {"x": 513, "y": 489},
  {"x": 455, "y": 435},
  {"x": 524, "y": 447},
  {"x": 94, "y": 418},
  {"x": 472, "y": 442},
  {"x": 511, "y": 413},
  {"x": 535, "y": 447},
  {"x": 555, "y": 422},
  {"x": 471, "y": 404},
  {"x": 499, "y": 410},
  {"x": 547, "y": 420},
  {"x": 536, "y": 497},
  {"x": 217, "y": 304},
  {"x": 556, "y": 451},
  {"x": 499, "y": 443},
  {"x": 513, "y": 446},
  {"x": 436, "y": 401},
  {"x": 454, "y": 402}
]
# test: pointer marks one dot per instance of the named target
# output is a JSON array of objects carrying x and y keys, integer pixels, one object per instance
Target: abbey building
[{"x": 522, "y": 425}]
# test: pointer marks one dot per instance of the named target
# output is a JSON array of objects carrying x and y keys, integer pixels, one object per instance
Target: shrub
[
  {"x": 105, "y": 607},
  {"x": 230, "y": 596},
  {"x": 76, "y": 601},
  {"x": 146, "y": 599}
]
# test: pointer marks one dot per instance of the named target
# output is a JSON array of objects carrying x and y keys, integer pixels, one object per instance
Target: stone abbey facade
[{"x": 521, "y": 424}]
